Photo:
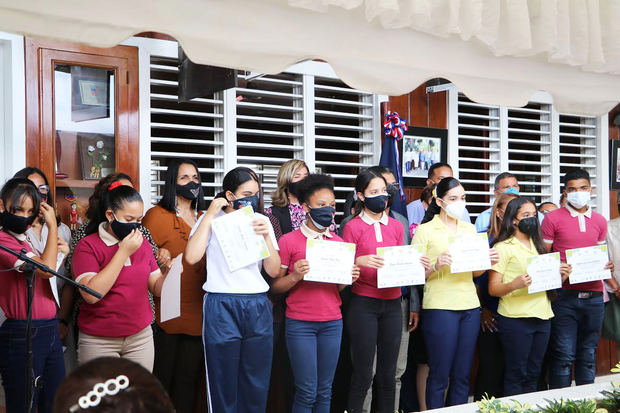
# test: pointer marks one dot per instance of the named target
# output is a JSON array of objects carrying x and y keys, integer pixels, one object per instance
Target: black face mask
[
  {"x": 529, "y": 225},
  {"x": 293, "y": 188},
  {"x": 322, "y": 217},
  {"x": 376, "y": 203},
  {"x": 189, "y": 191},
  {"x": 122, "y": 229},
  {"x": 392, "y": 191},
  {"x": 15, "y": 223},
  {"x": 245, "y": 201}
]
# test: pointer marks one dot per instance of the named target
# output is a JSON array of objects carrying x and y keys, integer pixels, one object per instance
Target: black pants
[
  {"x": 374, "y": 324},
  {"x": 179, "y": 366},
  {"x": 490, "y": 377}
]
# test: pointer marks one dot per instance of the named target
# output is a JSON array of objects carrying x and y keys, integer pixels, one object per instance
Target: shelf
[{"x": 76, "y": 183}]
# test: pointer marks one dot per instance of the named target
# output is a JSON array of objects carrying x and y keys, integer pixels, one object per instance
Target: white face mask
[
  {"x": 455, "y": 209},
  {"x": 578, "y": 199}
]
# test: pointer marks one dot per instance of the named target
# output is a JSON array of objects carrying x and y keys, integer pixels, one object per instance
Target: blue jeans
[
  {"x": 313, "y": 348},
  {"x": 575, "y": 332},
  {"x": 48, "y": 363},
  {"x": 450, "y": 342},
  {"x": 525, "y": 342}
]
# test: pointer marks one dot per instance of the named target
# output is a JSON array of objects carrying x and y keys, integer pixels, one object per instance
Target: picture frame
[
  {"x": 97, "y": 154},
  {"x": 90, "y": 93},
  {"x": 419, "y": 149},
  {"x": 614, "y": 171}
]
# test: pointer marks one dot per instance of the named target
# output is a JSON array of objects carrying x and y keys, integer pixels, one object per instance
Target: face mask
[
  {"x": 455, "y": 209},
  {"x": 16, "y": 223},
  {"x": 293, "y": 188},
  {"x": 392, "y": 191},
  {"x": 248, "y": 200},
  {"x": 377, "y": 203},
  {"x": 578, "y": 199},
  {"x": 511, "y": 191},
  {"x": 189, "y": 190},
  {"x": 322, "y": 217},
  {"x": 122, "y": 229},
  {"x": 528, "y": 225}
]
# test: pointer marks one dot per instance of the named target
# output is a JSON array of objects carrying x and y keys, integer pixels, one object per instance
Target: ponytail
[
  {"x": 432, "y": 210},
  {"x": 114, "y": 198},
  {"x": 442, "y": 188},
  {"x": 361, "y": 183}
]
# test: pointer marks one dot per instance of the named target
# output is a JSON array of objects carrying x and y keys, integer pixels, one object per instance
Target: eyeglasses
[{"x": 44, "y": 188}]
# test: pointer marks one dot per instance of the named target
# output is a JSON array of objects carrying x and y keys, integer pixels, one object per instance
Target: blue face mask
[
  {"x": 513, "y": 191},
  {"x": 322, "y": 217},
  {"x": 251, "y": 200}
]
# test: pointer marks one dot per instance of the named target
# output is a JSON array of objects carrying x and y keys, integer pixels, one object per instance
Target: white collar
[
  {"x": 575, "y": 213},
  {"x": 20, "y": 237},
  {"x": 107, "y": 238},
  {"x": 312, "y": 234},
  {"x": 367, "y": 219}
]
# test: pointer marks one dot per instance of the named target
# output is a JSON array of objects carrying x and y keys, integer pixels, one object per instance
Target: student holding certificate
[
  {"x": 313, "y": 317},
  {"x": 450, "y": 308},
  {"x": 237, "y": 319},
  {"x": 524, "y": 319},
  {"x": 374, "y": 318},
  {"x": 578, "y": 309}
]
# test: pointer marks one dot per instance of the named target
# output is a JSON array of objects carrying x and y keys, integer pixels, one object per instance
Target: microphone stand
[{"x": 29, "y": 269}]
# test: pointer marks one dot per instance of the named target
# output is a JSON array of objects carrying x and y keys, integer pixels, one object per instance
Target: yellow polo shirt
[
  {"x": 444, "y": 290},
  {"x": 512, "y": 263}
]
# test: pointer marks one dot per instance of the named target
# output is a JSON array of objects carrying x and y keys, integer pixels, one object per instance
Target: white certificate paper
[
  {"x": 470, "y": 252},
  {"x": 545, "y": 272},
  {"x": 330, "y": 261},
  {"x": 170, "y": 303},
  {"x": 588, "y": 264},
  {"x": 240, "y": 244},
  {"x": 401, "y": 266}
]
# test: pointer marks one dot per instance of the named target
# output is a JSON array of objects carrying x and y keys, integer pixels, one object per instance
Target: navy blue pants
[
  {"x": 313, "y": 348},
  {"x": 525, "y": 342},
  {"x": 575, "y": 332},
  {"x": 237, "y": 333},
  {"x": 450, "y": 342},
  {"x": 48, "y": 363}
]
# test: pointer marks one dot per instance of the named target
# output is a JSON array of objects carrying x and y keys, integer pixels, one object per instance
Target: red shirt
[
  {"x": 561, "y": 228},
  {"x": 13, "y": 292},
  {"x": 365, "y": 237},
  {"x": 308, "y": 300},
  {"x": 125, "y": 309}
]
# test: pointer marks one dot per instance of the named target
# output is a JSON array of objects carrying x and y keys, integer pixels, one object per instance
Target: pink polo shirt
[
  {"x": 565, "y": 230},
  {"x": 125, "y": 309},
  {"x": 368, "y": 236},
  {"x": 308, "y": 300},
  {"x": 13, "y": 292}
]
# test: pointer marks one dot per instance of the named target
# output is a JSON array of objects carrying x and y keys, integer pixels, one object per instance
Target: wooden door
[{"x": 82, "y": 118}]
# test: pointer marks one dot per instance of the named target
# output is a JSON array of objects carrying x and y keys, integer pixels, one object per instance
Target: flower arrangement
[{"x": 98, "y": 155}]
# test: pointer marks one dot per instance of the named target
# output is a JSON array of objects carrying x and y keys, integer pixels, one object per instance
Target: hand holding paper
[
  {"x": 402, "y": 266},
  {"x": 330, "y": 261},
  {"x": 588, "y": 264},
  {"x": 469, "y": 252}
]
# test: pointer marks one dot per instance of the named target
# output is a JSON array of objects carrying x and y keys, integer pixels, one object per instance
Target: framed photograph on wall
[
  {"x": 614, "y": 172},
  {"x": 421, "y": 148}
]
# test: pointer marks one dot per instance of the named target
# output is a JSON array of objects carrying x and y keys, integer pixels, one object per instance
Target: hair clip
[
  {"x": 110, "y": 387},
  {"x": 115, "y": 185},
  {"x": 435, "y": 192}
]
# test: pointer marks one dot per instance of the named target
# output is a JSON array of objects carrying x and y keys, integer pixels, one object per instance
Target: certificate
[
  {"x": 330, "y": 261},
  {"x": 545, "y": 272},
  {"x": 240, "y": 245},
  {"x": 401, "y": 266},
  {"x": 470, "y": 252},
  {"x": 588, "y": 264},
  {"x": 170, "y": 303}
]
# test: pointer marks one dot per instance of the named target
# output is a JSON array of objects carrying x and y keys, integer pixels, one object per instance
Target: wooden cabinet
[{"x": 82, "y": 117}]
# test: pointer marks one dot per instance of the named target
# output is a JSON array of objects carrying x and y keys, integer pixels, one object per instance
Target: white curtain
[{"x": 495, "y": 51}]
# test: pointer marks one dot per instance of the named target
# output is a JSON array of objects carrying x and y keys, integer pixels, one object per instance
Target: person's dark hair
[
  {"x": 427, "y": 193},
  {"x": 442, "y": 188},
  {"x": 381, "y": 169},
  {"x": 145, "y": 394},
  {"x": 575, "y": 174},
  {"x": 115, "y": 198},
  {"x": 312, "y": 183},
  {"x": 434, "y": 166},
  {"x": 503, "y": 175},
  {"x": 361, "y": 183},
  {"x": 168, "y": 200},
  {"x": 31, "y": 170},
  {"x": 507, "y": 229},
  {"x": 15, "y": 190},
  {"x": 96, "y": 211},
  {"x": 562, "y": 198},
  {"x": 543, "y": 204},
  {"x": 238, "y": 176}
]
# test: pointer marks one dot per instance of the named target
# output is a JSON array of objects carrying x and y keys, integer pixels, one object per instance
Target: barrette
[
  {"x": 110, "y": 387},
  {"x": 115, "y": 185}
]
